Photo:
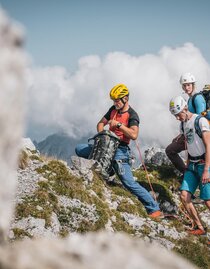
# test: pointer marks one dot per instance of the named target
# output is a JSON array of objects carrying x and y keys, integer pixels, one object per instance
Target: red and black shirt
[{"x": 128, "y": 118}]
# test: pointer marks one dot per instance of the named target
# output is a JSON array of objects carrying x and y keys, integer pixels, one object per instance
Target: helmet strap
[{"x": 124, "y": 103}]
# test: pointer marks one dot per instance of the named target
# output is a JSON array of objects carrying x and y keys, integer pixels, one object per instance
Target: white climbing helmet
[
  {"x": 187, "y": 78},
  {"x": 177, "y": 104}
]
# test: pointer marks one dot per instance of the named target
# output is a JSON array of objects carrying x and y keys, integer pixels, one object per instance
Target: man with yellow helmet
[
  {"x": 123, "y": 121},
  {"x": 118, "y": 91}
]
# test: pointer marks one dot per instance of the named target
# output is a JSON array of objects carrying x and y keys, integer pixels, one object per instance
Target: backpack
[
  {"x": 103, "y": 151},
  {"x": 206, "y": 94},
  {"x": 196, "y": 125}
]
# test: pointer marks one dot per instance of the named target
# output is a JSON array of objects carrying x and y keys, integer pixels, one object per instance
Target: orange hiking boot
[
  {"x": 156, "y": 215},
  {"x": 197, "y": 231}
]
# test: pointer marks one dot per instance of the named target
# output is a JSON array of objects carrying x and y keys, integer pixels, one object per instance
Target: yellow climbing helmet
[{"x": 118, "y": 91}]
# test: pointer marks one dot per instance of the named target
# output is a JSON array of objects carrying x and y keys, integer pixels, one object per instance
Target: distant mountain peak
[{"x": 59, "y": 145}]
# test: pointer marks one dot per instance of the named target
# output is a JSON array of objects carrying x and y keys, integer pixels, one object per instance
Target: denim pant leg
[
  {"x": 123, "y": 170},
  {"x": 83, "y": 150}
]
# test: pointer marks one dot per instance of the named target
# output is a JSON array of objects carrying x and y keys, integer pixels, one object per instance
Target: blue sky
[
  {"x": 80, "y": 49},
  {"x": 60, "y": 32}
]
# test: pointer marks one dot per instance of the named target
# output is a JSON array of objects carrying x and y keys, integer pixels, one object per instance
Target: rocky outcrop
[
  {"x": 12, "y": 64},
  {"x": 54, "y": 200},
  {"x": 156, "y": 156},
  {"x": 90, "y": 251},
  {"x": 88, "y": 200}
]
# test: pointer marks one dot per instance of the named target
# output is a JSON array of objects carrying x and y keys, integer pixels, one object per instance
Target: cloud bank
[{"x": 74, "y": 102}]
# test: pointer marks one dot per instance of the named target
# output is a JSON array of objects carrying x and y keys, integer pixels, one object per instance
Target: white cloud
[{"x": 75, "y": 102}]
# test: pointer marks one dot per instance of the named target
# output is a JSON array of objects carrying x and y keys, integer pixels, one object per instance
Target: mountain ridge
[{"x": 59, "y": 145}]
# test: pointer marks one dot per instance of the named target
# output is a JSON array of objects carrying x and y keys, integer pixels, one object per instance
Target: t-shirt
[
  {"x": 199, "y": 102},
  {"x": 195, "y": 145},
  {"x": 128, "y": 118}
]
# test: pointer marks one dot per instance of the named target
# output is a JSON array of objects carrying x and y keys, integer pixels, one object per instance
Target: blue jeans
[{"x": 123, "y": 170}]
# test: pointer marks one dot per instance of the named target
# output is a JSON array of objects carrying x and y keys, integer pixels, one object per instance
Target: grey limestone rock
[
  {"x": 91, "y": 251},
  {"x": 156, "y": 156},
  {"x": 12, "y": 67}
]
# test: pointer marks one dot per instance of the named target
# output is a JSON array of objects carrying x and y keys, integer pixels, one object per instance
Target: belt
[
  {"x": 201, "y": 161},
  {"x": 123, "y": 144},
  {"x": 200, "y": 158}
]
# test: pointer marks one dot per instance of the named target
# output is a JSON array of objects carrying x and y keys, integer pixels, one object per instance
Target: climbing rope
[
  {"x": 184, "y": 212},
  {"x": 181, "y": 208},
  {"x": 141, "y": 160},
  {"x": 147, "y": 174}
]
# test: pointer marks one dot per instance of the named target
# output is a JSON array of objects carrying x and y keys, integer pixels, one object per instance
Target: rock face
[
  {"x": 88, "y": 203},
  {"x": 156, "y": 156},
  {"x": 91, "y": 251},
  {"x": 12, "y": 64},
  {"x": 27, "y": 144},
  {"x": 84, "y": 199}
]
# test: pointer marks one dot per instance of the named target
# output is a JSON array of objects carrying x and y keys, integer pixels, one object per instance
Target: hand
[
  {"x": 205, "y": 176},
  {"x": 113, "y": 123},
  {"x": 176, "y": 139}
]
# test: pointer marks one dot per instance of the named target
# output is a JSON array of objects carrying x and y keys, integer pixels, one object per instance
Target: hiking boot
[
  {"x": 208, "y": 243},
  {"x": 156, "y": 215},
  {"x": 193, "y": 197},
  {"x": 197, "y": 231}
]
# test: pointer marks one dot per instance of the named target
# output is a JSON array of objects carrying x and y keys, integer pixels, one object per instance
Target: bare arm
[
  {"x": 101, "y": 124},
  {"x": 206, "y": 140},
  {"x": 131, "y": 132}
]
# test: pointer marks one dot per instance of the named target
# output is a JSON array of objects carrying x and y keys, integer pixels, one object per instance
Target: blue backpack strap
[
  {"x": 193, "y": 101},
  {"x": 197, "y": 127}
]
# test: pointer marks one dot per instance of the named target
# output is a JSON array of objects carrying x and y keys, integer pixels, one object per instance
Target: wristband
[{"x": 119, "y": 124}]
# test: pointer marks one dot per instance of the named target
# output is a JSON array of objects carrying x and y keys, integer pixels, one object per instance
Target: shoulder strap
[
  {"x": 197, "y": 127},
  {"x": 182, "y": 126},
  {"x": 105, "y": 133},
  {"x": 193, "y": 101}
]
